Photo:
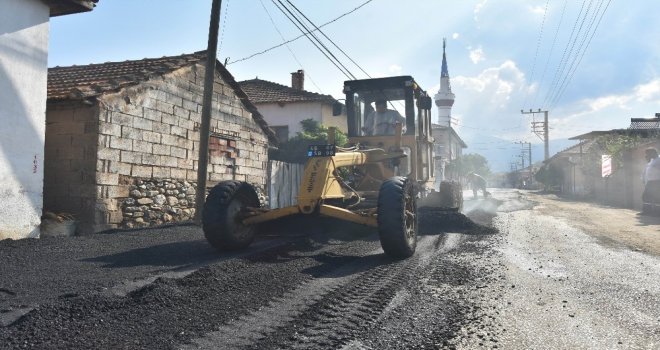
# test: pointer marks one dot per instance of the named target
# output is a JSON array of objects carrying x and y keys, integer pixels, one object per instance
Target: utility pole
[
  {"x": 204, "y": 130},
  {"x": 526, "y": 151},
  {"x": 540, "y": 129}
]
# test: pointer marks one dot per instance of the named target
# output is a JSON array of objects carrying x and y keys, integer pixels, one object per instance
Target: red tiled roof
[
  {"x": 79, "y": 82},
  {"x": 263, "y": 91},
  {"x": 90, "y": 81}
]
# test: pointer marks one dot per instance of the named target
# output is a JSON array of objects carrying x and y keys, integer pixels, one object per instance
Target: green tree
[
  {"x": 313, "y": 133},
  {"x": 469, "y": 163},
  {"x": 550, "y": 176}
]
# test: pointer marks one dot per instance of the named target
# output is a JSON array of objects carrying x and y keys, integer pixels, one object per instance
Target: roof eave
[{"x": 67, "y": 7}]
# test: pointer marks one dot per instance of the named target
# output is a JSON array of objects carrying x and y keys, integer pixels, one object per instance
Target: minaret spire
[
  {"x": 445, "y": 70},
  {"x": 444, "y": 99}
]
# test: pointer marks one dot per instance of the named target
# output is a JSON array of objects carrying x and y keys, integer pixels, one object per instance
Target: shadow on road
[{"x": 167, "y": 255}]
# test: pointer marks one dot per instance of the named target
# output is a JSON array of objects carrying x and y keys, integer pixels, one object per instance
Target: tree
[
  {"x": 313, "y": 133},
  {"x": 469, "y": 163},
  {"x": 550, "y": 175}
]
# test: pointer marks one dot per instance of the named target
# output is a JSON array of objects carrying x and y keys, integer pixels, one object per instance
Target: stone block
[
  {"x": 107, "y": 153},
  {"x": 169, "y": 119},
  {"x": 177, "y": 173},
  {"x": 181, "y": 113},
  {"x": 161, "y": 128},
  {"x": 169, "y": 140},
  {"x": 123, "y": 168},
  {"x": 179, "y": 152},
  {"x": 142, "y": 171},
  {"x": 174, "y": 99},
  {"x": 107, "y": 179},
  {"x": 190, "y": 105},
  {"x": 151, "y": 136},
  {"x": 128, "y": 132},
  {"x": 195, "y": 118},
  {"x": 121, "y": 119},
  {"x": 152, "y": 114},
  {"x": 161, "y": 172},
  {"x": 178, "y": 131},
  {"x": 109, "y": 129},
  {"x": 168, "y": 161},
  {"x": 184, "y": 143},
  {"x": 162, "y": 150},
  {"x": 218, "y": 177},
  {"x": 145, "y": 201},
  {"x": 131, "y": 157},
  {"x": 142, "y": 146},
  {"x": 191, "y": 175},
  {"x": 184, "y": 163},
  {"x": 164, "y": 107},
  {"x": 150, "y": 159},
  {"x": 186, "y": 124},
  {"x": 143, "y": 124},
  {"x": 121, "y": 143}
]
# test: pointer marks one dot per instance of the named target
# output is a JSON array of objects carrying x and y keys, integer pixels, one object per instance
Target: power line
[
  {"x": 583, "y": 52},
  {"x": 333, "y": 43},
  {"x": 315, "y": 40},
  {"x": 299, "y": 36},
  {"x": 555, "y": 78},
  {"x": 580, "y": 47},
  {"x": 538, "y": 44},
  {"x": 287, "y": 46},
  {"x": 552, "y": 47},
  {"x": 224, "y": 24}
]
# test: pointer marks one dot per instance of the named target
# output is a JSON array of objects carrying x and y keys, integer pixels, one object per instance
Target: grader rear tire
[
  {"x": 397, "y": 217},
  {"x": 221, "y": 218}
]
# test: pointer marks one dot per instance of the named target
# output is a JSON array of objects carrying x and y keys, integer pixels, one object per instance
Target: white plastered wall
[{"x": 23, "y": 79}]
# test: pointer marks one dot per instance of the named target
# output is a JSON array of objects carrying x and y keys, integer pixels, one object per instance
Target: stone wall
[
  {"x": 151, "y": 132},
  {"x": 157, "y": 202}
]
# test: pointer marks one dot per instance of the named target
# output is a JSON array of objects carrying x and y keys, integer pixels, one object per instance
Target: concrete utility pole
[
  {"x": 540, "y": 129},
  {"x": 526, "y": 151},
  {"x": 204, "y": 130}
]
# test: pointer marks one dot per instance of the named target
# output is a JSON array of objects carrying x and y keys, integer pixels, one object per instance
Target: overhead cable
[
  {"x": 287, "y": 46},
  {"x": 328, "y": 38},
  {"x": 536, "y": 54},
  {"x": 299, "y": 36},
  {"x": 312, "y": 38},
  {"x": 583, "y": 52},
  {"x": 567, "y": 67}
]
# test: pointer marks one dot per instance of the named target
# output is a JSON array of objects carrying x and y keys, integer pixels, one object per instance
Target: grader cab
[{"x": 375, "y": 180}]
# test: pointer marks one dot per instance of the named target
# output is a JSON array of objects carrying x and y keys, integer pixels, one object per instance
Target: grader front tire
[
  {"x": 397, "y": 217},
  {"x": 222, "y": 215}
]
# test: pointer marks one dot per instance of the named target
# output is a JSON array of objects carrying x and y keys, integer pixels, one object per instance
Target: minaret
[{"x": 444, "y": 99}]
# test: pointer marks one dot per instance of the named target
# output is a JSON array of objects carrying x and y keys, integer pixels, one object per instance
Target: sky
[{"x": 593, "y": 64}]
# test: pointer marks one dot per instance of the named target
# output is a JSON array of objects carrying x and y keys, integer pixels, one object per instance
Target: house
[
  {"x": 581, "y": 172},
  {"x": 285, "y": 107},
  {"x": 122, "y": 140},
  {"x": 24, "y": 30},
  {"x": 448, "y": 146}
]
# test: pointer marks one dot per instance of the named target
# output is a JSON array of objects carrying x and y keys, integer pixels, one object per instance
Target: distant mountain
[{"x": 500, "y": 153}]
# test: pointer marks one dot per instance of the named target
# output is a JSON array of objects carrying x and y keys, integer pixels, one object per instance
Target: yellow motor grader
[{"x": 375, "y": 180}]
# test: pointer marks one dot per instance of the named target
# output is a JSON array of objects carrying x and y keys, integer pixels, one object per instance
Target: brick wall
[
  {"x": 151, "y": 131},
  {"x": 70, "y": 162}
]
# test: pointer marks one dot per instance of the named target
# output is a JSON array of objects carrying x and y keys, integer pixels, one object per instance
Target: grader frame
[{"x": 392, "y": 172}]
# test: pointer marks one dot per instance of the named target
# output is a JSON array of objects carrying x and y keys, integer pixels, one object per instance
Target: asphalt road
[{"x": 540, "y": 282}]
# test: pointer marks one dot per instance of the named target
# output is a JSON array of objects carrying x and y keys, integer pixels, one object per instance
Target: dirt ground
[{"x": 612, "y": 226}]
